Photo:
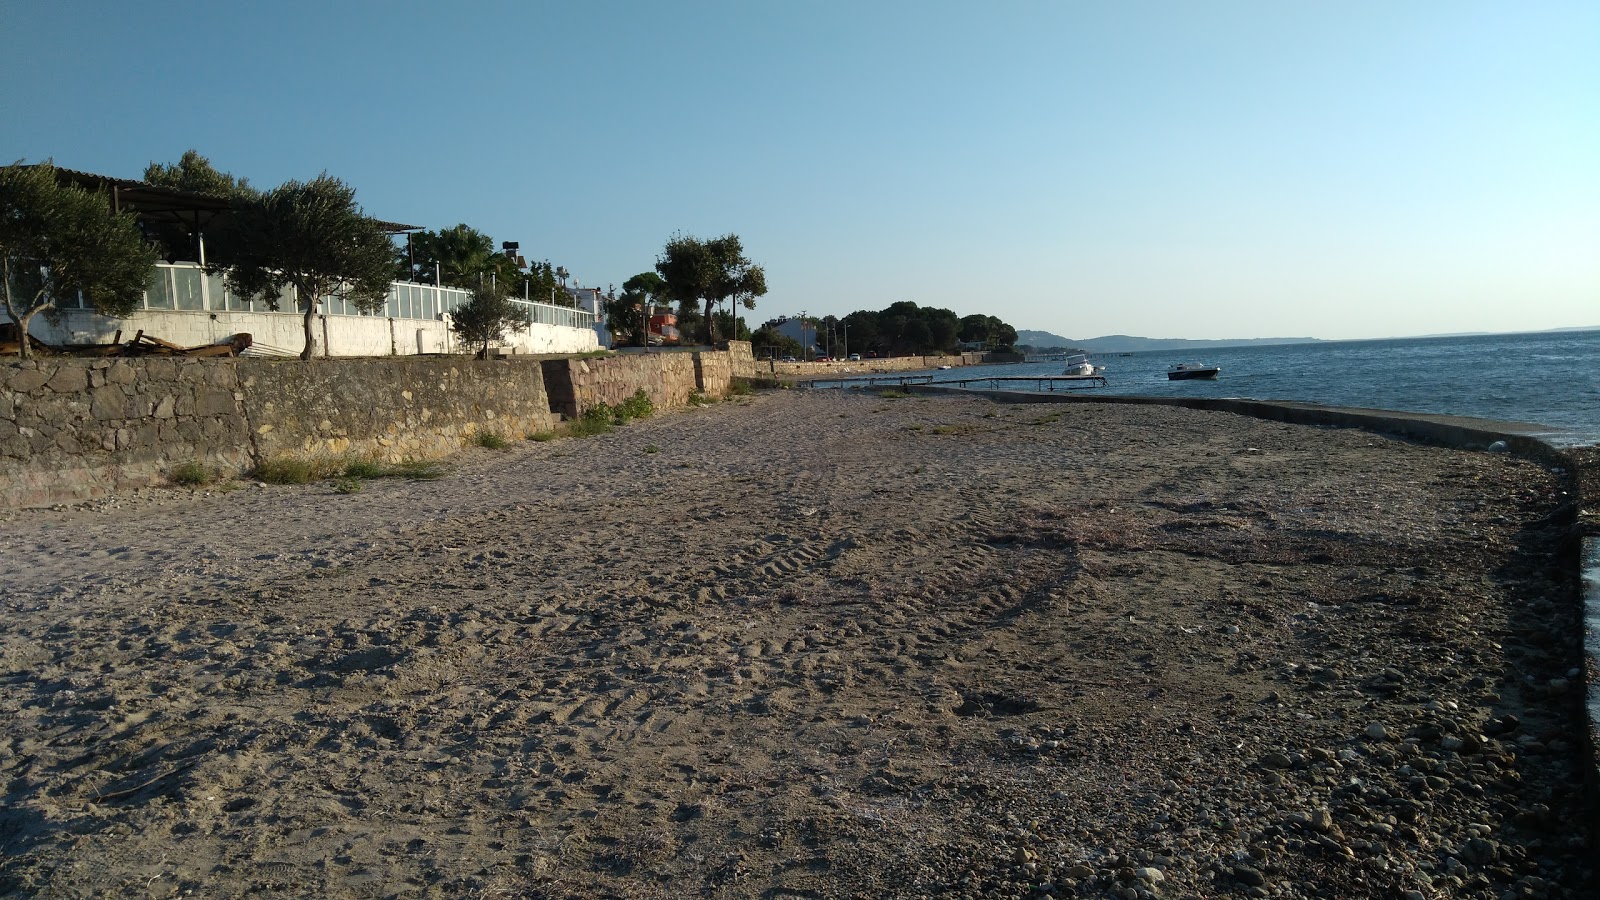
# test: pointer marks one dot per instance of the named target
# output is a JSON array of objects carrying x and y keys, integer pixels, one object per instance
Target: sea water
[{"x": 1546, "y": 378}]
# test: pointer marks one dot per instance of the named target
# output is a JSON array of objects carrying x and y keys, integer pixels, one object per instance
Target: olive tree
[
  {"x": 710, "y": 271},
  {"x": 57, "y": 240},
  {"x": 313, "y": 237},
  {"x": 486, "y": 317}
]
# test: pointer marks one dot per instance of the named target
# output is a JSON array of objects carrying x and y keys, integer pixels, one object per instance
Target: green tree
[
  {"x": 627, "y": 316},
  {"x": 462, "y": 256},
  {"x": 767, "y": 341},
  {"x": 194, "y": 173},
  {"x": 313, "y": 237},
  {"x": 709, "y": 272},
  {"x": 486, "y": 317},
  {"x": 58, "y": 240}
]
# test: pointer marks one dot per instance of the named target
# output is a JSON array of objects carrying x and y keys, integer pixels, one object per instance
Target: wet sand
[{"x": 810, "y": 645}]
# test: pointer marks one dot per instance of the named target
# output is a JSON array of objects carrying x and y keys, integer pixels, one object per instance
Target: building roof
[{"x": 155, "y": 203}]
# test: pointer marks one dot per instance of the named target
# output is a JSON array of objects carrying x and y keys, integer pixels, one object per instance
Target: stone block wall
[
  {"x": 77, "y": 429},
  {"x": 392, "y": 408},
  {"x": 837, "y": 368},
  {"x": 742, "y": 359},
  {"x": 576, "y": 386},
  {"x": 713, "y": 372}
]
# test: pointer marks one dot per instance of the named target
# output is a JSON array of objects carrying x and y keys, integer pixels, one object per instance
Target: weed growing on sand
[
  {"x": 636, "y": 407},
  {"x": 192, "y": 474},
  {"x": 594, "y": 421},
  {"x": 955, "y": 429},
  {"x": 651, "y": 448},
  {"x": 490, "y": 440},
  {"x": 700, "y": 398},
  {"x": 295, "y": 470},
  {"x": 742, "y": 387},
  {"x": 990, "y": 415},
  {"x": 892, "y": 394},
  {"x": 917, "y": 428},
  {"x": 543, "y": 437},
  {"x": 416, "y": 470},
  {"x": 1046, "y": 420},
  {"x": 365, "y": 468},
  {"x": 347, "y": 486}
]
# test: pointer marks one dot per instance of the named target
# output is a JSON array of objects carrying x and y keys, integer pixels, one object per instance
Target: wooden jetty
[{"x": 1041, "y": 382}]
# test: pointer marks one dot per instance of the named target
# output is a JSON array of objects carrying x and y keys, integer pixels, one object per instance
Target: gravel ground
[{"x": 811, "y": 645}]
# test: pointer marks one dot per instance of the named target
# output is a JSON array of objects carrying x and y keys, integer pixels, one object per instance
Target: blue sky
[{"x": 1170, "y": 169}]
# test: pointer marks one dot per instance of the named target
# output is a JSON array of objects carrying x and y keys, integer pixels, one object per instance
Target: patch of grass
[
  {"x": 416, "y": 470},
  {"x": 744, "y": 387},
  {"x": 700, "y": 398},
  {"x": 638, "y": 406},
  {"x": 543, "y": 437},
  {"x": 365, "y": 468},
  {"x": 1046, "y": 420},
  {"x": 347, "y": 486},
  {"x": 295, "y": 470},
  {"x": 990, "y": 415},
  {"x": 591, "y": 354},
  {"x": 651, "y": 448},
  {"x": 892, "y": 394},
  {"x": 192, "y": 474},
  {"x": 913, "y": 427},
  {"x": 490, "y": 440},
  {"x": 597, "y": 420},
  {"x": 955, "y": 429}
]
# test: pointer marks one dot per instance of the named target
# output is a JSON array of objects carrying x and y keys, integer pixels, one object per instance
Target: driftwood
[{"x": 141, "y": 345}]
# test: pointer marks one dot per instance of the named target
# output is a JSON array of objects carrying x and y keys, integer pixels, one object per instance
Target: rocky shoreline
[{"x": 814, "y": 645}]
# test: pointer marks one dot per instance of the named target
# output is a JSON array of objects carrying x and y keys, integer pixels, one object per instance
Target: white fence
[{"x": 186, "y": 305}]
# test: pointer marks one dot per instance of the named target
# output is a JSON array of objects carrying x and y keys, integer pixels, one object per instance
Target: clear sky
[{"x": 1176, "y": 169}]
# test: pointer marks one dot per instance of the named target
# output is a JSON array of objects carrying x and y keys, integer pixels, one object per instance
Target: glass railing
[{"x": 180, "y": 286}]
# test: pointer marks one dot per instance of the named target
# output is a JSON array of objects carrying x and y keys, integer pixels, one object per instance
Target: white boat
[{"x": 1078, "y": 364}]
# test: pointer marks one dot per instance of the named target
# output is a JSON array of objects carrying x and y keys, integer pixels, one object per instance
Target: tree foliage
[
  {"x": 904, "y": 328},
  {"x": 59, "y": 240},
  {"x": 486, "y": 317},
  {"x": 194, "y": 173},
  {"x": 767, "y": 341},
  {"x": 709, "y": 272},
  {"x": 313, "y": 237},
  {"x": 627, "y": 315}
]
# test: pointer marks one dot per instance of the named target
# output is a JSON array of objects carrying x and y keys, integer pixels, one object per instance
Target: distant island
[{"x": 1124, "y": 343}]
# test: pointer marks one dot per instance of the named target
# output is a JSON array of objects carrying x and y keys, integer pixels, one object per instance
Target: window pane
[
  {"x": 159, "y": 294},
  {"x": 186, "y": 284}
]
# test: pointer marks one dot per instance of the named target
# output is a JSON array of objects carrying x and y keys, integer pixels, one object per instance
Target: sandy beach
[{"x": 811, "y": 645}]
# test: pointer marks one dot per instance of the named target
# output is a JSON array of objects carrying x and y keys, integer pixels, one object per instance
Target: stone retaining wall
[
  {"x": 839, "y": 368},
  {"x": 77, "y": 429},
  {"x": 391, "y": 409},
  {"x": 742, "y": 359},
  {"x": 576, "y": 386}
]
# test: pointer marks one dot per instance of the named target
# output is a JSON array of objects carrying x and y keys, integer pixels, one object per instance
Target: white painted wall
[{"x": 280, "y": 332}]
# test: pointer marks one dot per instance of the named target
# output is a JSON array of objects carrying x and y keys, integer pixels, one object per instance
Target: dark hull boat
[{"x": 1188, "y": 371}]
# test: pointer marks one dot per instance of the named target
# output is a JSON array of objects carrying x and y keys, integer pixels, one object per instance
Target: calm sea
[{"x": 1550, "y": 379}]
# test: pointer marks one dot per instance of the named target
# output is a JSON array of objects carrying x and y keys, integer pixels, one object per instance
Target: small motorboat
[
  {"x": 1078, "y": 364},
  {"x": 1187, "y": 371}
]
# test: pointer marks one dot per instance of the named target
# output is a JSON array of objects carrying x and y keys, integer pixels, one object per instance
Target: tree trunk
[
  {"x": 305, "y": 321},
  {"x": 24, "y": 349},
  {"x": 711, "y": 324}
]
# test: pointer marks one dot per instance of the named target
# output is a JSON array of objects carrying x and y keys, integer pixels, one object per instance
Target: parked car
[
  {"x": 823, "y": 359},
  {"x": 788, "y": 359},
  {"x": 855, "y": 357}
]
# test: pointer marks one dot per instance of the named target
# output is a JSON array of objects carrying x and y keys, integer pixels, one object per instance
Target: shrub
[
  {"x": 543, "y": 436},
  {"x": 652, "y": 448},
  {"x": 347, "y": 486},
  {"x": 365, "y": 468},
  {"x": 294, "y": 470},
  {"x": 190, "y": 473},
  {"x": 636, "y": 407},
  {"x": 892, "y": 394},
  {"x": 490, "y": 440}
]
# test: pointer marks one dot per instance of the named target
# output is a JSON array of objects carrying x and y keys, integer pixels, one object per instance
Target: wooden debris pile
[{"x": 141, "y": 345}]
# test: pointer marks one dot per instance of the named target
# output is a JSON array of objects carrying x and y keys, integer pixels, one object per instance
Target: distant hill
[{"x": 1124, "y": 343}]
